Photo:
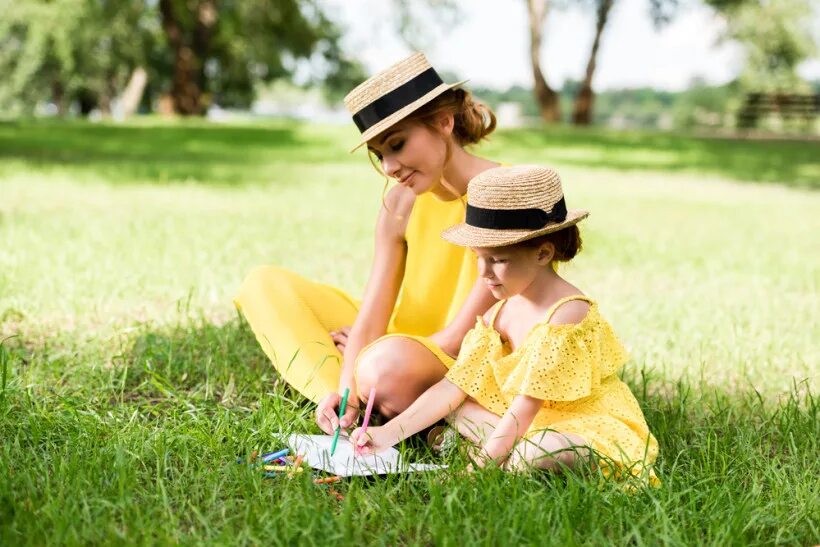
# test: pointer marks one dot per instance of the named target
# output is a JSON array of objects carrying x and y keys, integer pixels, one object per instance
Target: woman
[{"x": 422, "y": 294}]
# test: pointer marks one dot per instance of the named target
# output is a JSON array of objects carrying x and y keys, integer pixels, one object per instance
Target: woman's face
[
  {"x": 509, "y": 271},
  {"x": 412, "y": 154}
]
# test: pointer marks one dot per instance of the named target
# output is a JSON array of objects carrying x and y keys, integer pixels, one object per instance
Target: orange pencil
[{"x": 327, "y": 480}]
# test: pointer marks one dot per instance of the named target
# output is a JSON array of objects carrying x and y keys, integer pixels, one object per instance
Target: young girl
[
  {"x": 422, "y": 293},
  {"x": 535, "y": 383}
]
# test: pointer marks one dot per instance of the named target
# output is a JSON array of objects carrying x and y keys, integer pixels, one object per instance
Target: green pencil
[{"x": 342, "y": 408}]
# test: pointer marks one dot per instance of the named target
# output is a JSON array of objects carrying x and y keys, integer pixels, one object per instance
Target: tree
[
  {"x": 545, "y": 96},
  {"x": 582, "y": 109},
  {"x": 777, "y": 35},
  {"x": 68, "y": 51},
  {"x": 419, "y": 23},
  {"x": 85, "y": 52},
  {"x": 222, "y": 49}
]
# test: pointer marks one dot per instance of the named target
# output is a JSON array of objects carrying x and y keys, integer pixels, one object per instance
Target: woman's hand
[
  {"x": 339, "y": 338},
  {"x": 372, "y": 441},
  {"x": 327, "y": 413}
]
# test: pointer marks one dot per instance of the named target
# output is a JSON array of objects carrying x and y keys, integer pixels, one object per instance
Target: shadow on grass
[
  {"x": 206, "y": 153},
  {"x": 794, "y": 163},
  {"x": 190, "y": 152}
]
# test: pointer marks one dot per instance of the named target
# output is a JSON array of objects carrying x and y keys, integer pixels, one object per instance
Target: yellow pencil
[{"x": 283, "y": 468}]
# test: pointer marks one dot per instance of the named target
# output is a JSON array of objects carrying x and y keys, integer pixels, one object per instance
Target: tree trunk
[
  {"x": 190, "y": 49},
  {"x": 545, "y": 96},
  {"x": 132, "y": 94},
  {"x": 107, "y": 95},
  {"x": 58, "y": 96},
  {"x": 584, "y": 98}
]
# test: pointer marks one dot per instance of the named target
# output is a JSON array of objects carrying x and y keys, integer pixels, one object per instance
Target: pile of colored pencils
[{"x": 275, "y": 464}]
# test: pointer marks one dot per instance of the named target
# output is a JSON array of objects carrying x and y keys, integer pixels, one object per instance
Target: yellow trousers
[{"x": 292, "y": 318}]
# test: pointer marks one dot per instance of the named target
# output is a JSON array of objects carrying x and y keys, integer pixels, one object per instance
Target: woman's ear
[
  {"x": 446, "y": 122},
  {"x": 546, "y": 251}
]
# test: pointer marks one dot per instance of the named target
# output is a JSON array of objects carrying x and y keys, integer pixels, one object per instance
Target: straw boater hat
[
  {"x": 507, "y": 205},
  {"x": 392, "y": 94}
]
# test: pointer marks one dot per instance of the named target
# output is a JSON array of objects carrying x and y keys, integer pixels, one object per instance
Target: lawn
[{"x": 130, "y": 386}]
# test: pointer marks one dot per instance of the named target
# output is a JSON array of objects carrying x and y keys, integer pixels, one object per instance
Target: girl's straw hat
[
  {"x": 507, "y": 205},
  {"x": 389, "y": 96}
]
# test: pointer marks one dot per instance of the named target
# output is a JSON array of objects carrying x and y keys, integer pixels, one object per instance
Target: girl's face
[
  {"x": 412, "y": 154},
  {"x": 509, "y": 271}
]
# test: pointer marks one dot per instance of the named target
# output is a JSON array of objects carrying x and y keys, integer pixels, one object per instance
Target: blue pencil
[{"x": 275, "y": 455}]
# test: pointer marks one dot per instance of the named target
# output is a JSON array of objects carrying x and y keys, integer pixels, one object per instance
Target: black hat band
[
  {"x": 515, "y": 219},
  {"x": 395, "y": 100}
]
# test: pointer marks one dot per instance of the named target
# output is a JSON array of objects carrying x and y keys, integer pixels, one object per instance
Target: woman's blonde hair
[{"x": 473, "y": 121}]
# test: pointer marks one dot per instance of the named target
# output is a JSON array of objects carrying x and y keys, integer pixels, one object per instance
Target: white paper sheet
[{"x": 316, "y": 452}]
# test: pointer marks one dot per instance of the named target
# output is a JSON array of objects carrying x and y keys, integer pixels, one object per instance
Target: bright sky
[{"x": 491, "y": 44}]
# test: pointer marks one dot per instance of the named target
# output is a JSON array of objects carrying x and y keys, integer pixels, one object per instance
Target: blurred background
[{"x": 719, "y": 66}]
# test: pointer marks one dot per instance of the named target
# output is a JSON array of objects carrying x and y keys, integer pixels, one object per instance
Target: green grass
[{"x": 130, "y": 386}]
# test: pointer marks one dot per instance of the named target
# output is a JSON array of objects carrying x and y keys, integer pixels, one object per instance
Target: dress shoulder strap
[
  {"x": 496, "y": 309},
  {"x": 554, "y": 307}
]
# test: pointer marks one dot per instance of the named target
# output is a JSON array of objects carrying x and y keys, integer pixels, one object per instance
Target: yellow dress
[
  {"x": 292, "y": 316},
  {"x": 573, "y": 369}
]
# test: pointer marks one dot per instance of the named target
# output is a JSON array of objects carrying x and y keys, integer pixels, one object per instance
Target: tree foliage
[
  {"x": 68, "y": 50},
  {"x": 224, "y": 49},
  {"x": 196, "y": 51},
  {"x": 777, "y": 36}
]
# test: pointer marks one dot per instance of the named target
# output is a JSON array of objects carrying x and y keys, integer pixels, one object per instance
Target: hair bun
[{"x": 474, "y": 119}]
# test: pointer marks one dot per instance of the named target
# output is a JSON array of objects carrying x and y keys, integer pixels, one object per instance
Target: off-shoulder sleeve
[
  {"x": 565, "y": 362},
  {"x": 473, "y": 370}
]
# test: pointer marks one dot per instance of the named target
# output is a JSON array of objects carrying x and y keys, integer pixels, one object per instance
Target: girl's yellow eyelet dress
[
  {"x": 292, "y": 316},
  {"x": 573, "y": 368}
]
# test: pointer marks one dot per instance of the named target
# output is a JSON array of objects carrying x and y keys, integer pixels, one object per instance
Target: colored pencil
[
  {"x": 342, "y": 408},
  {"x": 283, "y": 468},
  {"x": 367, "y": 411},
  {"x": 275, "y": 455},
  {"x": 327, "y": 480}
]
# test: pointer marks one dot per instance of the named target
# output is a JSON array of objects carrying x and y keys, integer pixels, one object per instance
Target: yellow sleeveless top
[{"x": 438, "y": 275}]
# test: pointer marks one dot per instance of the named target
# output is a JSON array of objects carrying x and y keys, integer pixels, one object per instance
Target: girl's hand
[
  {"x": 480, "y": 459},
  {"x": 339, "y": 338},
  {"x": 372, "y": 441},
  {"x": 327, "y": 413}
]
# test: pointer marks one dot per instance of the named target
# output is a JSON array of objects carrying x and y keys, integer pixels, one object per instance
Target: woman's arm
[
  {"x": 477, "y": 303},
  {"x": 510, "y": 429},
  {"x": 386, "y": 275},
  {"x": 434, "y": 404},
  {"x": 380, "y": 296}
]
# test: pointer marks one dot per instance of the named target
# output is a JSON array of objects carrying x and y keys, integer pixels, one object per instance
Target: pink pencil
[{"x": 367, "y": 411}]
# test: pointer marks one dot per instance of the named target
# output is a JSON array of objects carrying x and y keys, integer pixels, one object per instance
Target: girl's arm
[
  {"x": 477, "y": 303},
  {"x": 523, "y": 409},
  {"x": 381, "y": 292},
  {"x": 434, "y": 404},
  {"x": 510, "y": 429}
]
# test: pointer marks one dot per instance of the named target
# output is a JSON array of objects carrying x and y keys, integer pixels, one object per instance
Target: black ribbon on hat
[
  {"x": 515, "y": 219},
  {"x": 395, "y": 100}
]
